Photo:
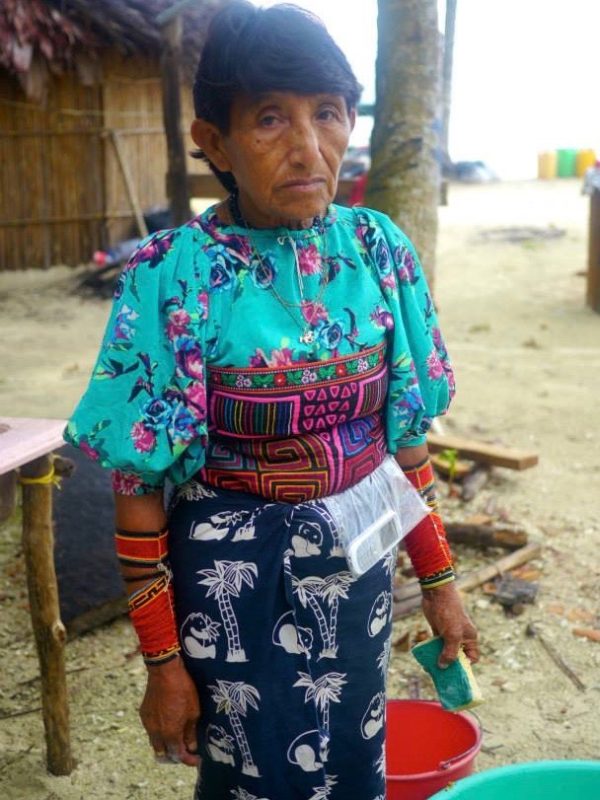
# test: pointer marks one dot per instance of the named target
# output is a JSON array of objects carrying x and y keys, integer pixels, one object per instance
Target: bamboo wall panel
[
  {"x": 59, "y": 170},
  {"x": 132, "y": 101},
  {"x": 50, "y": 171}
]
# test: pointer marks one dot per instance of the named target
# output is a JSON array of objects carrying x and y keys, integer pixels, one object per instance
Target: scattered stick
[
  {"x": 474, "y": 481},
  {"x": 521, "y": 556},
  {"x": 20, "y": 713},
  {"x": 532, "y": 631},
  {"x": 486, "y": 535},
  {"x": 408, "y": 596},
  {"x": 593, "y": 634},
  {"x": 482, "y": 452},
  {"x": 35, "y": 678}
]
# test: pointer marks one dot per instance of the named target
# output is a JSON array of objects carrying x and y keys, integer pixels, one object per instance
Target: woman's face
[{"x": 285, "y": 152}]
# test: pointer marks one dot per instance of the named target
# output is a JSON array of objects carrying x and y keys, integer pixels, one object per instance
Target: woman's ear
[{"x": 210, "y": 140}]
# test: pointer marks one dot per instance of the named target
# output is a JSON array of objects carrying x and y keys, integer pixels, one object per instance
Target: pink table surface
[{"x": 22, "y": 439}]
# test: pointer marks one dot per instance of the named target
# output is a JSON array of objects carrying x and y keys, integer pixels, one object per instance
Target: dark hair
[{"x": 252, "y": 51}]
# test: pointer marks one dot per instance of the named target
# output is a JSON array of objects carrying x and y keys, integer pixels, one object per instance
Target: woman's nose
[{"x": 304, "y": 144}]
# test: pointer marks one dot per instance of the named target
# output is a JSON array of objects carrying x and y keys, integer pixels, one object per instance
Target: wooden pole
[
  {"x": 593, "y": 275},
  {"x": 170, "y": 60},
  {"x": 448, "y": 57},
  {"x": 131, "y": 192},
  {"x": 49, "y": 631},
  {"x": 8, "y": 494}
]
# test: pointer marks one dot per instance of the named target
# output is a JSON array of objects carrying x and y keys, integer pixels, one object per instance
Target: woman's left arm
[{"x": 428, "y": 550}]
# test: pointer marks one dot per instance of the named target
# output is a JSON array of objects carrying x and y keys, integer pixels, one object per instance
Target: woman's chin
[{"x": 304, "y": 208}]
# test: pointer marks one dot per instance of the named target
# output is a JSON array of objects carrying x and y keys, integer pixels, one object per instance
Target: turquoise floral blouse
[{"x": 210, "y": 303}]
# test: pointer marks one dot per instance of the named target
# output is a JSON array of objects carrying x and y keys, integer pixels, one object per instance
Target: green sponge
[{"x": 456, "y": 685}]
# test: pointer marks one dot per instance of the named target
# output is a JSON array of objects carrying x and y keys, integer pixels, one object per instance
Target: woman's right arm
[{"x": 170, "y": 708}]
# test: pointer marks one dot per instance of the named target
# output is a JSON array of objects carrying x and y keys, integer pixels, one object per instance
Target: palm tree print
[
  {"x": 383, "y": 659},
  {"x": 388, "y": 562},
  {"x": 242, "y": 794},
  {"x": 233, "y": 699},
  {"x": 380, "y": 762},
  {"x": 323, "y": 792},
  {"x": 308, "y": 590},
  {"x": 323, "y": 691},
  {"x": 226, "y": 581},
  {"x": 335, "y": 587}
]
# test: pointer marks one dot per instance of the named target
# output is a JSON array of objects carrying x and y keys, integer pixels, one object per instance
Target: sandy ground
[{"x": 527, "y": 357}]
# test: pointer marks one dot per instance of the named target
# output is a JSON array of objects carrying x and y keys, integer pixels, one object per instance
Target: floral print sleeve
[
  {"x": 421, "y": 379},
  {"x": 144, "y": 411}
]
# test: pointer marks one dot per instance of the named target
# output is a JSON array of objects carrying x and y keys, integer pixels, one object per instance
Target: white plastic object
[
  {"x": 373, "y": 516},
  {"x": 373, "y": 543}
]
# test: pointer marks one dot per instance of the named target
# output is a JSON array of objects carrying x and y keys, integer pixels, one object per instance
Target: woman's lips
[{"x": 303, "y": 185}]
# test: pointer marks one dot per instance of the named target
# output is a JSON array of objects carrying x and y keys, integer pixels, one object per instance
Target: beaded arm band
[
  {"x": 427, "y": 545},
  {"x": 151, "y": 607}
]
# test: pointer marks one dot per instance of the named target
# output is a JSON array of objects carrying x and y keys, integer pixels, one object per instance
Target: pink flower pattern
[
  {"x": 309, "y": 260},
  {"x": 126, "y": 483},
  {"x": 155, "y": 376},
  {"x": 144, "y": 439},
  {"x": 178, "y": 324}
]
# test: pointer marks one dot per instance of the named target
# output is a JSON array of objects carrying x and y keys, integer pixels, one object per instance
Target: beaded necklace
[{"x": 307, "y": 336}]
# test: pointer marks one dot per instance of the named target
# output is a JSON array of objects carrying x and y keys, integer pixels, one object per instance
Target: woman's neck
[{"x": 242, "y": 211}]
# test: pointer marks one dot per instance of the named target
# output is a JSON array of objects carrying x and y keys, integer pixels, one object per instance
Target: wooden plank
[
  {"x": 50, "y": 634},
  {"x": 130, "y": 188},
  {"x": 494, "y": 535},
  {"x": 23, "y": 439},
  {"x": 497, "y": 455}
]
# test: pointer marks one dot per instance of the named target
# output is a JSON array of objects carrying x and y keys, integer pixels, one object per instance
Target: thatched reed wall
[{"x": 62, "y": 190}]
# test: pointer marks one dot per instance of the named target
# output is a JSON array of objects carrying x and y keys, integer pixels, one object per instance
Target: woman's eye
[
  {"x": 327, "y": 114},
  {"x": 268, "y": 121}
]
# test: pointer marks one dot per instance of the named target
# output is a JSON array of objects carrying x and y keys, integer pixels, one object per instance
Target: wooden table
[{"x": 26, "y": 444}]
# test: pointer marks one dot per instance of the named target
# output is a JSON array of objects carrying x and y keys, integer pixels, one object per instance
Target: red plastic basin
[{"x": 427, "y": 748}]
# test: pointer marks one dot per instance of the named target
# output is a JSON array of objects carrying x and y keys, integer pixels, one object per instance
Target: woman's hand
[
  {"x": 169, "y": 712},
  {"x": 444, "y": 611}
]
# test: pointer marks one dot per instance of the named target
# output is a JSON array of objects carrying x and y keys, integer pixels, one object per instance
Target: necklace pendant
[{"x": 308, "y": 337}]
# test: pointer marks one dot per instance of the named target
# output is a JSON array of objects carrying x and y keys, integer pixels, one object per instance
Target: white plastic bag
[{"x": 373, "y": 516}]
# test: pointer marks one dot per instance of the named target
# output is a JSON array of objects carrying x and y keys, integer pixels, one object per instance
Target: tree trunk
[
  {"x": 170, "y": 62},
  {"x": 404, "y": 180}
]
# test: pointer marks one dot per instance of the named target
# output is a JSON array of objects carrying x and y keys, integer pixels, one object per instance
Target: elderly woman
[{"x": 271, "y": 352}]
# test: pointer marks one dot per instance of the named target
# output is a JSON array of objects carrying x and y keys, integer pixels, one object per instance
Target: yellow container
[
  {"x": 585, "y": 160},
  {"x": 547, "y": 165}
]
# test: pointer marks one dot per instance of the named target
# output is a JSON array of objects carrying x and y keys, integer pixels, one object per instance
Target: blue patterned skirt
[{"x": 287, "y": 649}]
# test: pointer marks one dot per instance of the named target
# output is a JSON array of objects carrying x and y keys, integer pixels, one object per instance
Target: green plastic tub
[
  {"x": 537, "y": 780},
  {"x": 566, "y": 163}
]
